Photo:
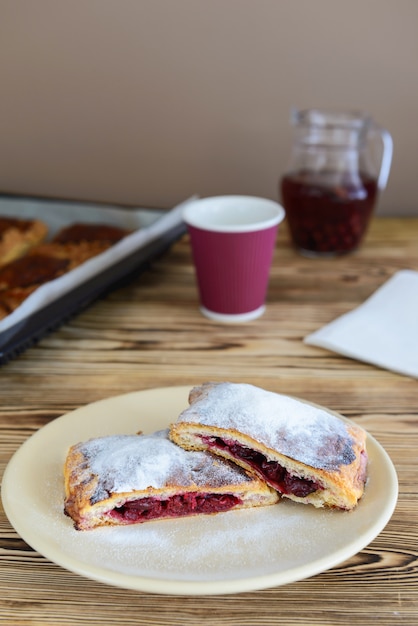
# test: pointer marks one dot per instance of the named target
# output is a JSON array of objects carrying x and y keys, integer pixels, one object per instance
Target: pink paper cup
[{"x": 232, "y": 240}]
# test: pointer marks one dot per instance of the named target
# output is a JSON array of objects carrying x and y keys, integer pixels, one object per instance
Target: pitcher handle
[{"x": 387, "y": 153}]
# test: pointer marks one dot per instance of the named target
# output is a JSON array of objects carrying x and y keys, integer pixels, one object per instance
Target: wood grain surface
[{"x": 149, "y": 334}]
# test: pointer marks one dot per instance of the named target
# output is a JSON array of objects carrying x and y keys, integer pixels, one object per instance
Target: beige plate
[{"x": 215, "y": 554}]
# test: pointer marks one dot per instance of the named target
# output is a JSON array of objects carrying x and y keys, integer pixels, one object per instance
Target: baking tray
[{"x": 27, "y": 331}]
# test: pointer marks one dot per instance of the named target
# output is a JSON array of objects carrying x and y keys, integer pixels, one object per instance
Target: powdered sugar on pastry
[
  {"x": 291, "y": 427},
  {"x": 125, "y": 463}
]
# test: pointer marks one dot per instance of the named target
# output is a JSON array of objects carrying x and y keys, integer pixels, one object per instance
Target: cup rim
[{"x": 202, "y": 212}]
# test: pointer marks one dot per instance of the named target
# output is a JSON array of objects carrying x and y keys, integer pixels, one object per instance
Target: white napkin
[{"x": 382, "y": 331}]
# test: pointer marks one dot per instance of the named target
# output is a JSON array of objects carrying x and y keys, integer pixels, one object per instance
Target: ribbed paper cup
[{"x": 232, "y": 240}]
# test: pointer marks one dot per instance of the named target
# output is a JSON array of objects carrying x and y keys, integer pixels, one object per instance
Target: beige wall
[{"x": 150, "y": 101}]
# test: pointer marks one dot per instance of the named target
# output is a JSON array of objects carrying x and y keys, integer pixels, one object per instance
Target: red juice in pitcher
[{"x": 327, "y": 218}]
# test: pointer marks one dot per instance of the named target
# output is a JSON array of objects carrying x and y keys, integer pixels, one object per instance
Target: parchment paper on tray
[{"x": 149, "y": 227}]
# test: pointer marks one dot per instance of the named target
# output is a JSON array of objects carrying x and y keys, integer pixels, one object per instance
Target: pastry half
[
  {"x": 304, "y": 452},
  {"x": 128, "y": 479}
]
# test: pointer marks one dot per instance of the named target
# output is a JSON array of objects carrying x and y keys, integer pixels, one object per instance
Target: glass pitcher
[{"x": 331, "y": 185}]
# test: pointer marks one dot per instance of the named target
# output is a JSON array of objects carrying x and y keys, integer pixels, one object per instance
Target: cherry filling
[
  {"x": 176, "y": 506},
  {"x": 272, "y": 472}
]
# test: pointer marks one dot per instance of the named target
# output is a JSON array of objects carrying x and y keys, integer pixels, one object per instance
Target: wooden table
[{"x": 151, "y": 334}]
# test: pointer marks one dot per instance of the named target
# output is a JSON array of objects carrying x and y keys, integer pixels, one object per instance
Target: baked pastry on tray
[
  {"x": 17, "y": 236},
  {"x": 79, "y": 242},
  {"x": 75, "y": 233},
  {"x": 21, "y": 277},
  {"x": 70, "y": 247},
  {"x": 128, "y": 479},
  {"x": 304, "y": 452}
]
